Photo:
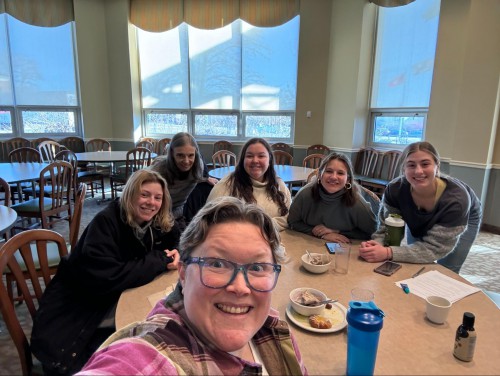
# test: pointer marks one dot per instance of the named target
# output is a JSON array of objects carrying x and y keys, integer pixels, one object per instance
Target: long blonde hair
[{"x": 164, "y": 219}]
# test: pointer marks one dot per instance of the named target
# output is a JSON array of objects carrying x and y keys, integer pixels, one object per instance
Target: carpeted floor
[{"x": 480, "y": 268}]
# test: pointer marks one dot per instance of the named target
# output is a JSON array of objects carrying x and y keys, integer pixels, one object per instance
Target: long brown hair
[
  {"x": 350, "y": 196},
  {"x": 241, "y": 184}
]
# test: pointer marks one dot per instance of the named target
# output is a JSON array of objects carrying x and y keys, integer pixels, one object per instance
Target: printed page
[{"x": 436, "y": 283}]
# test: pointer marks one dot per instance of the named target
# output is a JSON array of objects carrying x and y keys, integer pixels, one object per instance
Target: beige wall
[{"x": 333, "y": 81}]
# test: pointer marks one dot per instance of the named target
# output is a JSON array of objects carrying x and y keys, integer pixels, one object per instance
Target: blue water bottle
[{"x": 365, "y": 320}]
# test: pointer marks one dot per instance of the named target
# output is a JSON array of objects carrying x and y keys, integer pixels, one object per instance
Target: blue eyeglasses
[{"x": 217, "y": 273}]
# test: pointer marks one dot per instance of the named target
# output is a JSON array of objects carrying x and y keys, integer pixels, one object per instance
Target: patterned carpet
[{"x": 480, "y": 268}]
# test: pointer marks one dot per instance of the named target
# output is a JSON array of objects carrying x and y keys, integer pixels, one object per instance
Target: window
[
  {"x": 38, "y": 85},
  {"x": 402, "y": 76},
  {"x": 235, "y": 82}
]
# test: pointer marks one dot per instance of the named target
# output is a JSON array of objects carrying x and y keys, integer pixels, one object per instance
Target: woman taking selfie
[
  {"x": 442, "y": 214},
  {"x": 126, "y": 245},
  {"x": 218, "y": 320},
  {"x": 254, "y": 180}
]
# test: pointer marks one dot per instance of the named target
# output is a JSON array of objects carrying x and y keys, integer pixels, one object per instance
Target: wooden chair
[
  {"x": 14, "y": 143},
  {"x": 89, "y": 177},
  {"x": 137, "y": 159},
  {"x": 23, "y": 154},
  {"x": 366, "y": 163},
  {"x": 20, "y": 245},
  {"x": 386, "y": 171},
  {"x": 52, "y": 252},
  {"x": 36, "y": 142},
  {"x": 97, "y": 144},
  {"x": 224, "y": 158},
  {"x": 153, "y": 142},
  {"x": 56, "y": 178},
  {"x": 318, "y": 149},
  {"x": 145, "y": 144},
  {"x": 313, "y": 160},
  {"x": 218, "y": 146},
  {"x": 49, "y": 149},
  {"x": 282, "y": 158},
  {"x": 162, "y": 147},
  {"x": 5, "y": 188},
  {"x": 282, "y": 146},
  {"x": 73, "y": 143}
]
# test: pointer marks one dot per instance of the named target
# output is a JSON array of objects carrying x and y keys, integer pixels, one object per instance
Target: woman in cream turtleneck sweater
[
  {"x": 254, "y": 181},
  {"x": 332, "y": 207}
]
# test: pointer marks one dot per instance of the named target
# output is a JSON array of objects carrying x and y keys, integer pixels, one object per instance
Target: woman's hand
[
  {"x": 212, "y": 181},
  {"x": 373, "y": 251},
  {"x": 323, "y": 232},
  {"x": 175, "y": 256}
]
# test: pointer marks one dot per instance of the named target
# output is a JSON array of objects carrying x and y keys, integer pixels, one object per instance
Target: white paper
[
  {"x": 436, "y": 283},
  {"x": 154, "y": 298}
]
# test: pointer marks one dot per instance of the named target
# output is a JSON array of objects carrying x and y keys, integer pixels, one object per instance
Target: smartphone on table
[
  {"x": 387, "y": 268},
  {"x": 331, "y": 247}
]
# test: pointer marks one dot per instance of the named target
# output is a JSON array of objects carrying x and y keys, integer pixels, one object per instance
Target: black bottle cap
[{"x": 468, "y": 320}]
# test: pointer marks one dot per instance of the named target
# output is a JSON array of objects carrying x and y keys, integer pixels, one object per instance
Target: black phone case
[
  {"x": 331, "y": 247},
  {"x": 382, "y": 270}
]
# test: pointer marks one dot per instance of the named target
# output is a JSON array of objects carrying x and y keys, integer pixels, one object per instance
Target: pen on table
[
  {"x": 405, "y": 288},
  {"x": 418, "y": 273}
]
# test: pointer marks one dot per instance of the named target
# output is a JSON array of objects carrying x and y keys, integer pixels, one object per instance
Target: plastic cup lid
[{"x": 395, "y": 222}]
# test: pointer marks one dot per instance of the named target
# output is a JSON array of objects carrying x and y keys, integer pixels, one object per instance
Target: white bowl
[
  {"x": 306, "y": 263},
  {"x": 307, "y": 310}
]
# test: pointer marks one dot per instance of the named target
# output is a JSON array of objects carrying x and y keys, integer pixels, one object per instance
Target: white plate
[{"x": 337, "y": 316}]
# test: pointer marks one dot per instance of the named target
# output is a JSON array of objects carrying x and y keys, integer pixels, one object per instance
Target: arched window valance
[
  {"x": 162, "y": 15},
  {"x": 47, "y": 13}
]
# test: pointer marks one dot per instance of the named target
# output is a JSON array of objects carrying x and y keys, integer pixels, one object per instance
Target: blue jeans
[{"x": 455, "y": 259}]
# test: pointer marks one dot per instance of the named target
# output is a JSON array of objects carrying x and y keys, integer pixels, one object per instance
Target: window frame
[{"x": 394, "y": 112}]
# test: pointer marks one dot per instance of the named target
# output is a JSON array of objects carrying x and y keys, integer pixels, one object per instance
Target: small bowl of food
[
  {"x": 316, "y": 262},
  {"x": 305, "y": 301}
]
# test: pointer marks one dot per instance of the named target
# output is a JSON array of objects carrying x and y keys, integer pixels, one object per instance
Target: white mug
[{"x": 437, "y": 309}]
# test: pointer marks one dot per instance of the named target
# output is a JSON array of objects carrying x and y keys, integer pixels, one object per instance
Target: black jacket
[{"x": 107, "y": 260}]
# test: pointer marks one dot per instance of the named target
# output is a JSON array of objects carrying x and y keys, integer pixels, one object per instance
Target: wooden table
[
  {"x": 409, "y": 343},
  {"x": 104, "y": 156},
  {"x": 8, "y": 217},
  {"x": 21, "y": 172},
  {"x": 289, "y": 174}
]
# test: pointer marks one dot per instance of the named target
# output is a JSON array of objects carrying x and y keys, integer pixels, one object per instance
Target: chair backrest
[
  {"x": 137, "y": 159},
  {"x": 75, "y": 144},
  {"x": 222, "y": 145},
  {"x": 153, "y": 141},
  {"x": 318, "y": 149},
  {"x": 145, "y": 144},
  {"x": 282, "y": 158},
  {"x": 282, "y": 146},
  {"x": 20, "y": 243},
  {"x": 5, "y": 188},
  {"x": 15, "y": 143},
  {"x": 162, "y": 147},
  {"x": 70, "y": 157},
  {"x": 366, "y": 162},
  {"x": 57, "y": 180},
  {"x": 371, "y": 197},
  {"x": 49, "y": 149},
  {"x": 38, "y": 141},
  {"x": 97, "y": 144},
  {"x": 388, "y": 165},
  {"x": 25, "y": 154},
  {"x": 313, "y": 160},
  {"x": 313, "y": 176},
  {"x": 224, "y": 158},
  {"x": 76, "y": 218}
]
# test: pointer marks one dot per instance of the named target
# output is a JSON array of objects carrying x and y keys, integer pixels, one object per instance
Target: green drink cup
[{"x": 394, "y": 230}]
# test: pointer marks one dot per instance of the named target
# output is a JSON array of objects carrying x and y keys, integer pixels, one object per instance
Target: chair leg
[{"x": 102, "y": 188}]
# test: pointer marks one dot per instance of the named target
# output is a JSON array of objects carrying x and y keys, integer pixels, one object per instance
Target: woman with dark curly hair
[{"x": 254, "y": 180}]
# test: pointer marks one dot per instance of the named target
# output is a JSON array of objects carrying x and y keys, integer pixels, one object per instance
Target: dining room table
[
  {"x": 409, "y": 343},
  {"x": 289, "y": 174},
  {"x": 8, "y": 218},
  {"x": 21, "y": 172}
]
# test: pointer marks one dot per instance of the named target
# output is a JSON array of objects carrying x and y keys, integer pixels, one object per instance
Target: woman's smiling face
[
  {"x": 420, "y": 170},
  {"x": 227, "y": 317},
  {"x": 148, "y": 202},
  {"x": 334, "y": 176},
  {"x": 256, "y": 161}
]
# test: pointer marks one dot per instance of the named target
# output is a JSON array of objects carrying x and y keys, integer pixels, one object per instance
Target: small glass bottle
[{"x": 465, "y": 339}]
